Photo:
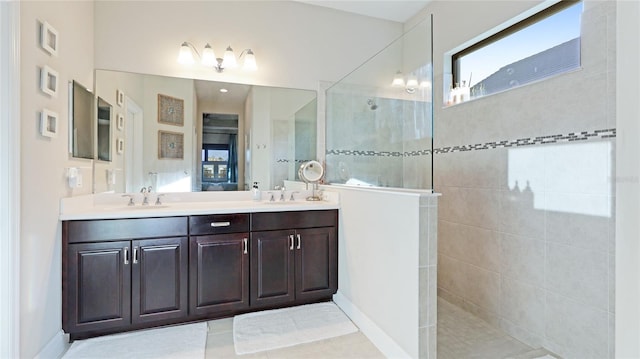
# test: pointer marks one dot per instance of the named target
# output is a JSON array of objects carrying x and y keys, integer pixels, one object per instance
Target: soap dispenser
[{"x": 257, "y": 196}]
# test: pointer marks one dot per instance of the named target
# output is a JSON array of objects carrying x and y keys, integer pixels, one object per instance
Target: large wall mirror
[{"x": 179, "y": 135}]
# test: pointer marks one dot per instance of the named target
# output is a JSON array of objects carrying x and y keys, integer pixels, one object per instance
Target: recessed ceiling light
[{"x": 224, "y": 90}]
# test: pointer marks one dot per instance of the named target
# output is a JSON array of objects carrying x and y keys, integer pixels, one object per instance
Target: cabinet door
[
  {"x": 219, "y": 273},
  {"x": 159, "y": 272},
  {"x": 272, "y": 268},
  {"x": 316, "y": 263},
  {"x": 98, "y": 286}
]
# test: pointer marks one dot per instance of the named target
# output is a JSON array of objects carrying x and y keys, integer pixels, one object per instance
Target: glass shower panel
[{"x": 378, "y": 133}]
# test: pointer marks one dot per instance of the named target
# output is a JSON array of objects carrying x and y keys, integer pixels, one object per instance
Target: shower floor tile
[{"x": 463, "y": 335}]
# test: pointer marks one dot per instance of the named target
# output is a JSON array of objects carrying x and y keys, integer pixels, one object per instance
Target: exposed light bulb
[
  {"x": 185, "y": 56},
  {"x": 208, "y": 56}
]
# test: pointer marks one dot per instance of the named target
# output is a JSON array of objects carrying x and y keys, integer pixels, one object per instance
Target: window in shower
[{"x": 542, "y": 45}]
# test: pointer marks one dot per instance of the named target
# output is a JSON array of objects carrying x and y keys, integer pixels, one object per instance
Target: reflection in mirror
[
  {"x": 224, "y": 136},
  {"x": 104, "y": 130},
  {"x": 81, "y": 110}
]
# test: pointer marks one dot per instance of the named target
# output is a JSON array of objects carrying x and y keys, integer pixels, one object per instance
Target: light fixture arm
[{"x": 218, "y": 67}]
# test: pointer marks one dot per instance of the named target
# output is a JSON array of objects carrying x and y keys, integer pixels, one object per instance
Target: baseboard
[
  {"x": 377, "y": 336},
  {"x": 55, "y": 348}
]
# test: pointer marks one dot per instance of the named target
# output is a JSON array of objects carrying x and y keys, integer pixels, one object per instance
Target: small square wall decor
[
  {"x": 170, "y": 145},
  {"x": 120, "y": 146},
  {"x": 49, "y": 81},
  {"x": 48, "y": 123},
  {"x": 120, "y": 121},
  {"x": 119, "y": 98},
  {"x": 49, "y": 38},
  {"x": 170, "y": 110}
]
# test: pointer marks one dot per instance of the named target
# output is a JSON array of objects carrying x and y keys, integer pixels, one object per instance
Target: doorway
[{"x": 219, "y": 168}]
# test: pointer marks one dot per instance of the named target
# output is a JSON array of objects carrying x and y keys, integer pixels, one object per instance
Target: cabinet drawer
[
  {"x": 269, "y": 221},
  {"x": 115, "y": 229},
  {"x": 219, "y": 223}
]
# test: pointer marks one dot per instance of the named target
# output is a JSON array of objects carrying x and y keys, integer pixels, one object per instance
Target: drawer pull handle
[
  {"x": 126, "y": 255},
  {"x": 220, "y": 224},
  {"x": 291, "y": 242},
  {"x": 246, "y": 246},
  {"x": 298, "y": 237},
  {"x": 135, "y": 255}
]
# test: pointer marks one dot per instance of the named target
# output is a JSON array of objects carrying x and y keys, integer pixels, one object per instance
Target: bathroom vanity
[{"x": 129, "y": 269}]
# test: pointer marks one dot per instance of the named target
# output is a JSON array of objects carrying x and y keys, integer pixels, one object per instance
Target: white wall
[
  {"x": 9, "y": 179},
  {"x": 627, "y": 327},
  {"x": 378, "y": 260},
  {"x": 295, "y": 44},
  {"x": 43, "y": 161}
]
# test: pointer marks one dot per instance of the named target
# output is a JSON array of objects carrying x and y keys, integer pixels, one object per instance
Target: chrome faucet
[
  {"x": 282, "y": 189},
  {"x": 293, "y": 198},
  {"x": 145, "y": 194}
]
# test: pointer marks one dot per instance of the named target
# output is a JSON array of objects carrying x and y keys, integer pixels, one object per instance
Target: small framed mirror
[
  {"x": 104, "y": 130},
  {"x": 81, "y": 136}
]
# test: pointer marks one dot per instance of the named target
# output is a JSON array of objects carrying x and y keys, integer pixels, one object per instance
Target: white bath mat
[
  {"x": 181, "y": 341},
  {"x": 280, "y": 328}
]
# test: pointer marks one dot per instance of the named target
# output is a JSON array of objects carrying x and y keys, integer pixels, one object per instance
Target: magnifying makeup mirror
[{"x": 311, "y": 172}]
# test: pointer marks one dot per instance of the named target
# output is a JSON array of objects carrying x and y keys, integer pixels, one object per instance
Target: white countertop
[{"x": 112, "y": 205}]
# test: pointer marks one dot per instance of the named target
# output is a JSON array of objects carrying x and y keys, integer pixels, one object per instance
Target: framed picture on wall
[
  {"x": 49, "y": 38},
  {"x": 49, "y": 81},
  {"x": 48, "y": 123},
  {"x": 170, "y": 110},
  {"x": 170, "y": 145}
]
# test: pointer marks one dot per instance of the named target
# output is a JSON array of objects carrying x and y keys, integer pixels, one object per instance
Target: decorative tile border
[
  {"x": 540, "y": 140},
  {"x": 285, "y": 160}
]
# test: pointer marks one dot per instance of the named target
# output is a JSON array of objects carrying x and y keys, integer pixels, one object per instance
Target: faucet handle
[{"x": 130, "y": 199}]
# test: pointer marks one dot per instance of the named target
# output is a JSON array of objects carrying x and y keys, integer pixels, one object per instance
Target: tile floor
[{"x": 461, "y": 335}]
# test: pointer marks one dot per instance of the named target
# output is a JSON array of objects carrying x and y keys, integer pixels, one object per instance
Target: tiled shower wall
[
  {"x": 526, "y": 222},
  {"x": 372, "y": 146}
]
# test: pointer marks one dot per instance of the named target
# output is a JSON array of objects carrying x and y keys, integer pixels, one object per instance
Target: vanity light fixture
[
  {"x": 209, "y": 59},
  {"x": 411, "y": 84}
]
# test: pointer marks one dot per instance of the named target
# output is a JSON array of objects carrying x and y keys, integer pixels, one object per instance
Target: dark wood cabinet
[
  {"x": 219, "y": 273},
  {"x": 272, "y": 268},
  {"x": 159, "y": 285},
  {"x": 109, "y": 284},
  {"x": 293, "y": 265},
  {"x": 316, "y": 263},
  {"x": 125, "y": 274},
  {"x": 98, "y": 284}
]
